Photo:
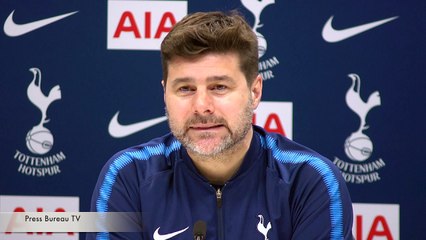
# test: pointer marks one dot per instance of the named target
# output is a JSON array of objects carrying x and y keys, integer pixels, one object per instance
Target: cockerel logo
[
  {"x": 39, "y": 139},
  {"x": 358, "y": 146},
  {"x": 256, "y": 7},
  {"x": 262, "y": 228}
]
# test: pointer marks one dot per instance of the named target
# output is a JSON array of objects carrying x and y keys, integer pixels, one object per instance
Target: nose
[{"x": 203, "y": 103}]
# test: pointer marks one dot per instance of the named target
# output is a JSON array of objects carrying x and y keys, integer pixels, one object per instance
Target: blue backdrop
[{"x": 101, "y": 67}]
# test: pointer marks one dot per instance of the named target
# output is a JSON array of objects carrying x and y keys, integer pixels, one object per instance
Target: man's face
[{"x": 208, "y": 102}]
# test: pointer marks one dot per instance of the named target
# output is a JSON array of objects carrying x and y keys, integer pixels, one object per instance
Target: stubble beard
[{"x": 228, "y": 143}]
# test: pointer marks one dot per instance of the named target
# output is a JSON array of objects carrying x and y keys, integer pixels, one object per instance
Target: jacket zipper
[{"x": 219, "y": 214}]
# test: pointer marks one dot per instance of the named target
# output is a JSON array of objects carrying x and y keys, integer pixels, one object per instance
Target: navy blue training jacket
[{"x": 283, "y": 190}]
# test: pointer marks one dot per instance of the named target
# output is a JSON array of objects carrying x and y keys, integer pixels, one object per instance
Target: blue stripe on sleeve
[
  {"x": 331, "y": 183},
  {"x": 120, "y": 162}
]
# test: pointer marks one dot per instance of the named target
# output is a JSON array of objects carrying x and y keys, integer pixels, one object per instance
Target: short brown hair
[{"x": 212, "y": 32}]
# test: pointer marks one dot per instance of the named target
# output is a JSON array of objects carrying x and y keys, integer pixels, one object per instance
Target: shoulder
[
  {"x": 145, "y": 160},
  {"x": 121, "y": 177},
  {"x": 314, "y": 185},
  {"x": 287, "y": 156},
  {"x": 302, "y": 168}
]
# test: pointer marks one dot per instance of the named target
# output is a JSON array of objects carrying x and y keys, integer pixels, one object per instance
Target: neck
[{"x": 220, "y": 168}]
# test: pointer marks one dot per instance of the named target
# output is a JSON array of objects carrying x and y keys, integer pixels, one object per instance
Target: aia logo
[
  {"x": 375, "y": 221},
  {"x": 142, "y": 25},
  {"x": 15, "y": 225},
  {"x": 28, "y": 204},
  {"x": 166, "y": 23},
  {"x": 275, "y": 117}
]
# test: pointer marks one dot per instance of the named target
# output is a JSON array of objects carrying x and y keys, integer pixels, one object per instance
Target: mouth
[{"x": 206, "y": 127}]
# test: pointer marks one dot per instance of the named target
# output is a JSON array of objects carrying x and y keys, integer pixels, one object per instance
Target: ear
[
  {"x": 163, "y": 84},
  {"x": 256, "y": 91},
  {"x": 164, "y": 90}
]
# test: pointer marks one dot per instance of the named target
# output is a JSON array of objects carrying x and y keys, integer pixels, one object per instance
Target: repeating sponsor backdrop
[{"x": 80, "y": 80}]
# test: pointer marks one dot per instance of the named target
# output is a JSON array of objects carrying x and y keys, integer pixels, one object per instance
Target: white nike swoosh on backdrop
[
  {"x": 158, "y": 236},
  {"x": 118, "y": 130},
  {"x": 332, "y": 35},
  {"x": 13, "y": 29}
]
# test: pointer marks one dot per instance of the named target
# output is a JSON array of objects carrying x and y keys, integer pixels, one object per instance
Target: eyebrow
[
  {"x": 220, "y": 78},
  {"x": 183, "y": 80},
  {"x": 178, "y": 81}
]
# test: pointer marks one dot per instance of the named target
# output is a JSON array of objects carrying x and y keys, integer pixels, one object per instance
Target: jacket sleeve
[
  {"x": 117, "y": 191},
  {"x": 321, "y": 204}
]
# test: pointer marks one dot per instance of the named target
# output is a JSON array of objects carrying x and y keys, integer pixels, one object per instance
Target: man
[{"x": 215, "y": 166}]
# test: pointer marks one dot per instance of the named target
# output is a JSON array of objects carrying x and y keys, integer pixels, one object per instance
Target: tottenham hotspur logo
[
  {"x": 39, "y": 139},
  {"x": 262, "y": 228},
  {"x": 256, "y": 7},
  {"x": 358, "y": 146}
]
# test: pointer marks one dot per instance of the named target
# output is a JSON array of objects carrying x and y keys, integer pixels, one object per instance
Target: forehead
[{"x": 206, "y": 66}]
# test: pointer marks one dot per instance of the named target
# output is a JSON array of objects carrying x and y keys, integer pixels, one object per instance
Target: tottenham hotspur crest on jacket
[{"x": 262, "y": 228}]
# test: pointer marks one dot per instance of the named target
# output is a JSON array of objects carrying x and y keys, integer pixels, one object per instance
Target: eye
[
  {"x": 219, "y": 88},
  {"x": 184, "y": 90}
]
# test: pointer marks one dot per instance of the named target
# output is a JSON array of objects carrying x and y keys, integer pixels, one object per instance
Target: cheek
[
  {"x": 176, "y": 109},
  {"x": 232, "y": 109}
]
